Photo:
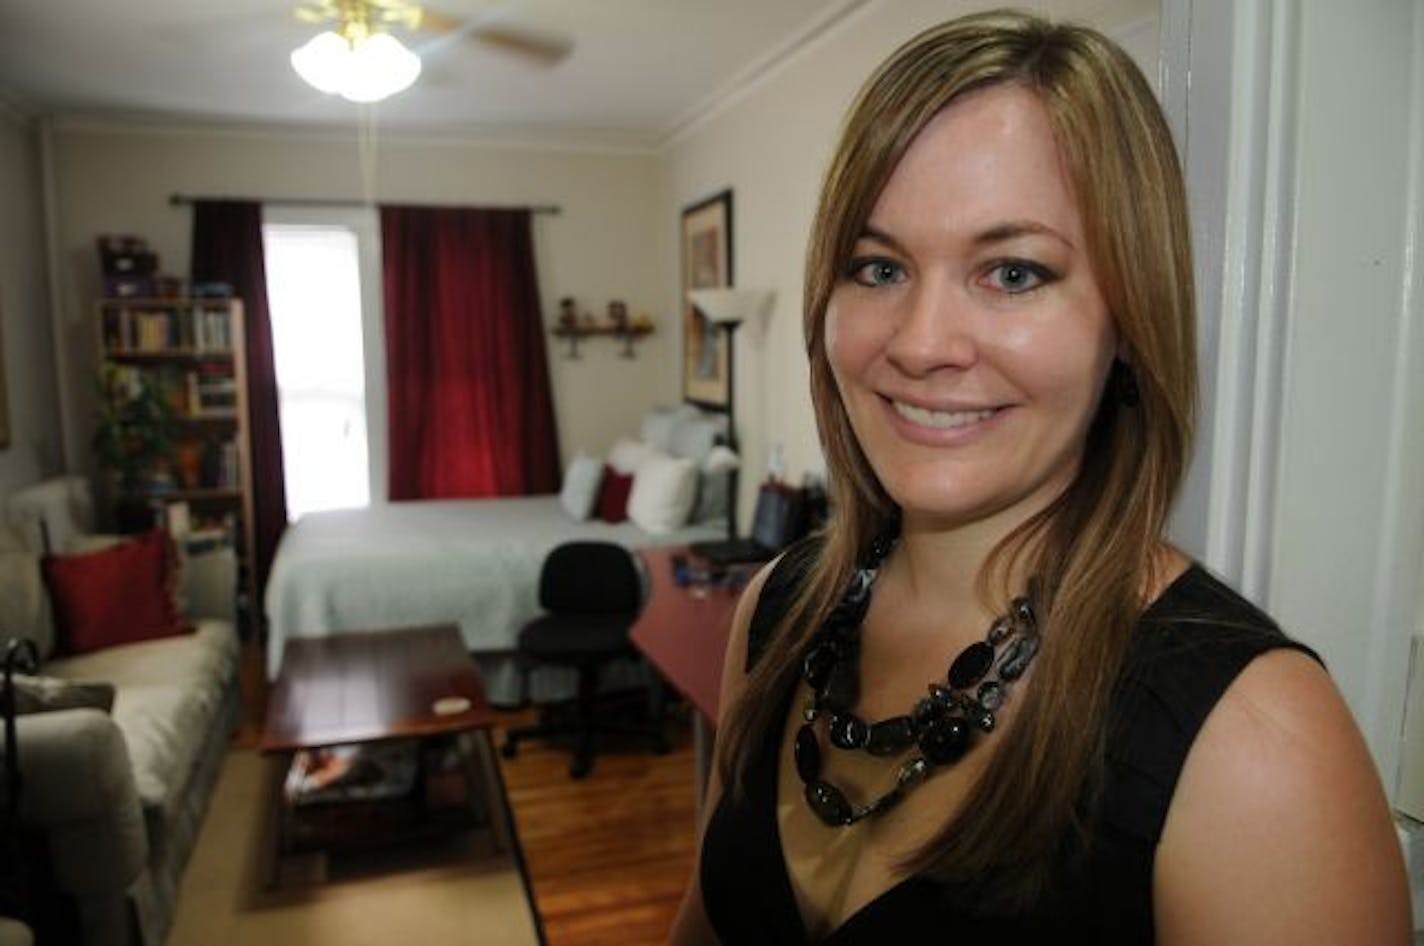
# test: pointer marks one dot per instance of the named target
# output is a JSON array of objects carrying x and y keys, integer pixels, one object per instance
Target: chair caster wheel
[
  {"x": 661, "y": 746},
  {"x": 579, "y": 768},
  {"x": 510, "y": 749}
]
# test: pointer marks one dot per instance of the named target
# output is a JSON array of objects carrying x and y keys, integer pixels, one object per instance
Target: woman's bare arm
[{"x": 1279, "y": 832}]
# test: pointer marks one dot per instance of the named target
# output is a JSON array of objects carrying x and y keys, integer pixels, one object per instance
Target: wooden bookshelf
[{"x": 191, "y": 351}]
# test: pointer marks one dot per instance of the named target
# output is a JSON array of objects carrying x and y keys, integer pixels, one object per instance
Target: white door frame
[{"x": 1233, "y": 79}]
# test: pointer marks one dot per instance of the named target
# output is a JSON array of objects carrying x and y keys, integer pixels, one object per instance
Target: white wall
[
  {"x": 34, "y": 450},
  {"x": 770, "y": 145},
  {"x": 605, "y": 244}
]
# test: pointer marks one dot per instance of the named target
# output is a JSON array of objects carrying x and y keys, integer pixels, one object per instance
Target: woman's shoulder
[
  {"x": 1199, "y": 634},
  {"x": 1280, "y": 775},
  {"x": 1190, "y": 647},
  {"x": 1237, "y": 739},
  {"x": 1197, "y": 600},
  {"x": 780, "y": 582}
]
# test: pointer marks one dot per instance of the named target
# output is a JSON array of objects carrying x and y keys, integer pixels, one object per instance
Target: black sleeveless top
[{"x": 1190, "y": 644}]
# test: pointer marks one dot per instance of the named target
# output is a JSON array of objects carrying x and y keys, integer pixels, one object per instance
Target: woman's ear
[{"x": 1122, "y": 384}]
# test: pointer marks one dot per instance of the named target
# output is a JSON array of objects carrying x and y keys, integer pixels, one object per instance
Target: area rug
[{"x": 455, "y": 891}]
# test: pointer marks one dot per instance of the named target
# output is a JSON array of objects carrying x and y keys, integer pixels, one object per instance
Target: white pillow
[
  {"x": 581, "y": 482},
  {"x": 658, "y": 423},
  {"x": 693, "y": 437},
  {"x": 629, "y": 454},
  {"x": 664, "y": 489}
]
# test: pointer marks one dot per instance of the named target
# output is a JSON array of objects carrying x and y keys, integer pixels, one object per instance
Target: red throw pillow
[
  {"x": 117, "y": 595},
  {"x": 613, "y": 495}
]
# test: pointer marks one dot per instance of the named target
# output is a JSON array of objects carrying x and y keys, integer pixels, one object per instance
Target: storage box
[
  {"x": 124, "y": 255},
  {"x": 128, "y": 287},
  {"x": 129, "y": 264},
  {"x": 120, "y": 243},
  {"x": 211, "y": 290}
]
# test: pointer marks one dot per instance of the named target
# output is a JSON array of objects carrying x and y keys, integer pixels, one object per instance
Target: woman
[{"x": 999, "y": 319}]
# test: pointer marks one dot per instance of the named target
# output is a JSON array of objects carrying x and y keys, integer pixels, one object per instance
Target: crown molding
[
  {"x": 760, "y": 71},
  {"x": 508, "y": 137}
]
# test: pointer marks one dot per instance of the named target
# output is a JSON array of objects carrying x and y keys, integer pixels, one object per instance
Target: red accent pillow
[
  {"x": 118, "y": 595},
  {"x": 613, "y": 495}
]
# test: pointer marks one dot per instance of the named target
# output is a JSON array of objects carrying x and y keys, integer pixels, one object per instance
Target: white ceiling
[{"x": 639, "y": 70}]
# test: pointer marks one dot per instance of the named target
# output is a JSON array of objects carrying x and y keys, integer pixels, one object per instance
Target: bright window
[{"x": 314, "y": 294}]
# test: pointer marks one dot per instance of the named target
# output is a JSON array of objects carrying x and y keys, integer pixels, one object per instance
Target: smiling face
[{"x": 968, "y": 337}]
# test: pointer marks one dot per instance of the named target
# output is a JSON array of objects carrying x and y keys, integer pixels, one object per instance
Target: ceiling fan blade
[
  {"x": 431, "y": 21},
  {"x": 543, "y": 48}
]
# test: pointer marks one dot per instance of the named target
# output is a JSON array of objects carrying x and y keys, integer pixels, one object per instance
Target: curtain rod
[{"x": 180, "y": 199}]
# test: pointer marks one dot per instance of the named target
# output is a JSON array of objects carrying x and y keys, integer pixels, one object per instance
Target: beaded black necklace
[{"x": 942, "y": 725}]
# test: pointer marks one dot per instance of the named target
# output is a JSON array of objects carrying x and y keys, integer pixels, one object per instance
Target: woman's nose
[{"x": 933, "y": 330}]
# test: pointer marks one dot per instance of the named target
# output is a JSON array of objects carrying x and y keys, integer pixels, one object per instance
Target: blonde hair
[{"x": 1093, "y": 547}]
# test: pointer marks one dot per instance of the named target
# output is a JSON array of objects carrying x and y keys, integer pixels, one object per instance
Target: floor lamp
[{"x": 728, "y": 309}]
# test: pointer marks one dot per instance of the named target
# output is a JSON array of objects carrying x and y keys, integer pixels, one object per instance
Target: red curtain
[
  {"x": 227, "y": 247},
  {"x": 470, "y": 408}
]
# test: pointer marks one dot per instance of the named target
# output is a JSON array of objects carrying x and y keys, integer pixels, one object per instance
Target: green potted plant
[{"x": 133, "y": 443}]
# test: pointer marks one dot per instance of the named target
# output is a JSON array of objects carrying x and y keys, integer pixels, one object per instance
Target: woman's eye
[
  {"x": 876, "y": 272},
  {"x": 1016, "y": 276}
]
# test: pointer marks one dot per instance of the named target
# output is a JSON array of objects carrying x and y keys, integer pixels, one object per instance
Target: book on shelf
[
  {"x": 211, "y": 391},
  {"x": 220, "y": 467},
  {"x": 212, "y": 329},
  {"x": 157, "y": 331},
  {"x": 199, "y": 328}
]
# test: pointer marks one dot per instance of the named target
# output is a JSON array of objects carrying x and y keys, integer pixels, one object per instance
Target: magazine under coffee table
[{"x": 411, "y": 698}]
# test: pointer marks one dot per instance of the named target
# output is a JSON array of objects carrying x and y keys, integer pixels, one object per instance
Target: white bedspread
[{"x": 472, "y": 562}]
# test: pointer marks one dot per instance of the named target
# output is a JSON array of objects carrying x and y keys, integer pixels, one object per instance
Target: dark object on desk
[
  {"x": 696, "y": 572},
  {"x": 776, "y": 523},
  {"x": 591, "y": 594}
]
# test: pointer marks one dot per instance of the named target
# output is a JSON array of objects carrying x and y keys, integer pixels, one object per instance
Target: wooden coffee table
[{"x": 378, "y": 686}]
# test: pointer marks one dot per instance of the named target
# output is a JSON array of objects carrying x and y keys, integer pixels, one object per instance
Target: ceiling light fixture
[{"x": 356, "y": 63}]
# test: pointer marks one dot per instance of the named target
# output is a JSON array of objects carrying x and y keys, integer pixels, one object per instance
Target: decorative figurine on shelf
[
  {"x": 568, "y": 313},
  {"x": 618, "y": 315}
]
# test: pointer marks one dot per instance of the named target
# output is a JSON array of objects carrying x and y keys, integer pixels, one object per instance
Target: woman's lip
[{"x": 937, "y": 425}]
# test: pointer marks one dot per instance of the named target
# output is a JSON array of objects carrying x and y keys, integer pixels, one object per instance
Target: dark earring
[{"x": 1123, "y": 384}]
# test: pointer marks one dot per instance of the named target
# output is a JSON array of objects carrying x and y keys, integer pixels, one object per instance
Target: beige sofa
[{"x": 119, "y": 796}]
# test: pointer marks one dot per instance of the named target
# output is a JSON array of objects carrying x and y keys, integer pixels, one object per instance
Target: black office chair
[{"x": 591, "y": 596}]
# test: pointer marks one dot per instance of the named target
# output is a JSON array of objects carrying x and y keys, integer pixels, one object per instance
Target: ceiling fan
[
  {"x": 372, "y": 16},
  {"x": 359, "y": 59}
]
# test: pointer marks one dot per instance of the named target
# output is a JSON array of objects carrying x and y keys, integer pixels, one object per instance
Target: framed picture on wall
[{"x": 706, "y": 264}]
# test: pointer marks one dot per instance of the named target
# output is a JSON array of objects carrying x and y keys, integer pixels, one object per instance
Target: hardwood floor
[{"x": 609, "y": 855}]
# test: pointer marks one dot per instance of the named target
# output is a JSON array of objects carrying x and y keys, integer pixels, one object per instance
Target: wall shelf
[{"x": 575, "y": 333}]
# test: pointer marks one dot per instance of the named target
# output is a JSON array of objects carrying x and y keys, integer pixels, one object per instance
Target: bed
[{"x": 471, "y": 562}]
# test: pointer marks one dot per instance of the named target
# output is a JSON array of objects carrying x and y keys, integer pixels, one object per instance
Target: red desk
[{"x": 683, "y": 633}]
